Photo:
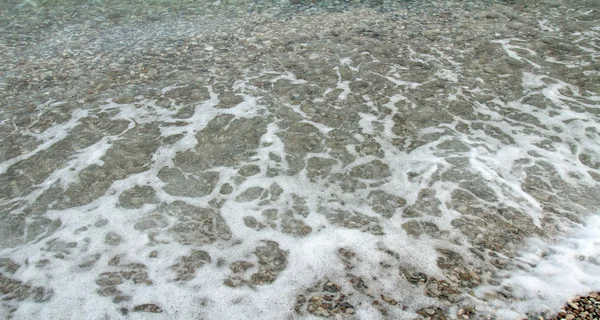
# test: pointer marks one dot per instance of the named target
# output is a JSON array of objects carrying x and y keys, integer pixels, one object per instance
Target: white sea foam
[
  {"x": 550, "y": 273},
  {"x": 546, "y": 272}
]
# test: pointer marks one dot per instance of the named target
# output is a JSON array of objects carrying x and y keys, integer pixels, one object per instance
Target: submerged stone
[
  {"x": 188, "y": 185},
  {"x": 372, "y": 170},
  {"x": 250, "y": 194},
  {"x": 137, "y": 196},
  {"x": 195, "y": 225}
]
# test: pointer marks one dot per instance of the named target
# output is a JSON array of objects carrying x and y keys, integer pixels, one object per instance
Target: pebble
[
  {"x": 148, "y": 307},
  {"x": 432, "y": 33},
  {"x": 586, "y": 307},
  {"x": 77, "y": 74},
  {"x": 273, "y": 265}
]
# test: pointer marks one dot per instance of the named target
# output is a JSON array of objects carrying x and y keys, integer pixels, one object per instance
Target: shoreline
[{"x": 123, "y": 76}]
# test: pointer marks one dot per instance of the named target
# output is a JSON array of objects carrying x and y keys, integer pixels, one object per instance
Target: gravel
[
  {"x": 580, "y": 307},
  {"x": 69, "y": 55}
]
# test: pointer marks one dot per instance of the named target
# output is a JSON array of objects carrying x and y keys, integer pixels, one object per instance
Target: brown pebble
[{"x": 148, "y": 307}]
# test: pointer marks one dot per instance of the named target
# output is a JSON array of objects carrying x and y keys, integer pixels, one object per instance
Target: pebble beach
[{"x": 300, "y": 159}]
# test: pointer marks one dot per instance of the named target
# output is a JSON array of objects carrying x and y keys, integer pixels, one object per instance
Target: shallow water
[{"x": 270, "y": 160}]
